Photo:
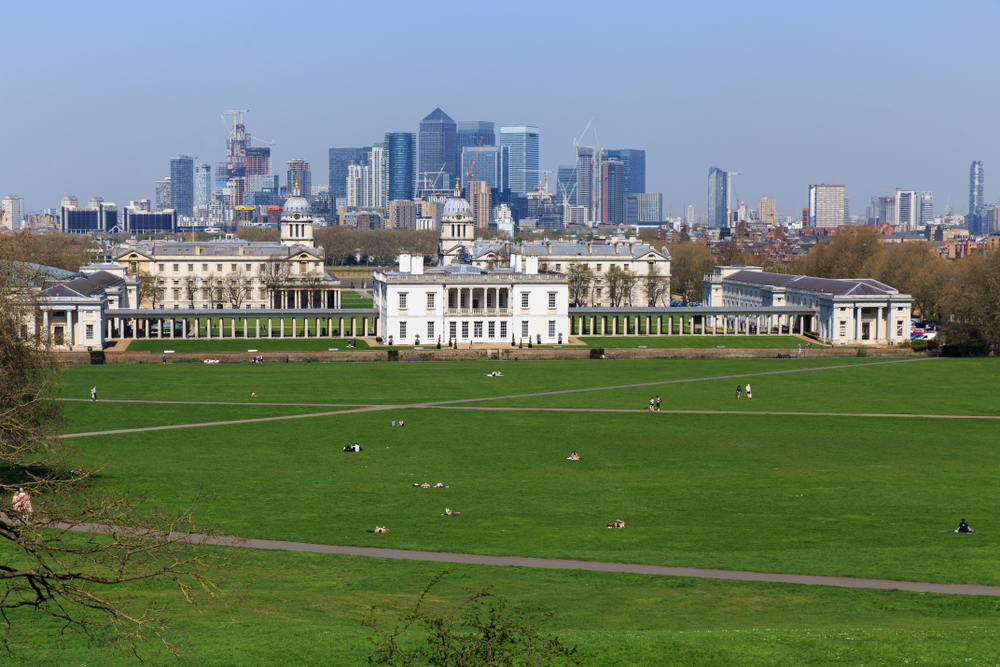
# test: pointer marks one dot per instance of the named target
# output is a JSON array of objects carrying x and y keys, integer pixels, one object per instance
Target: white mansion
[
  {"x": 235, "y": 274},
  {"x": 856, "y": 311},
  {"x": 466, "y": 303}
]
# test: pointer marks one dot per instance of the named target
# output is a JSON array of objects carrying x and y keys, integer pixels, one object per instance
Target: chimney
[
  {"x": 417, "y": 264},
  {"x": 197, "y": 250},
  {"x": 241, "y": 248},
  {"x": 516, "y": 262},
  {"x": 404, "y": 262},
  {"x": 531, "y": 265},
  {"x": 590, "y": 247}
]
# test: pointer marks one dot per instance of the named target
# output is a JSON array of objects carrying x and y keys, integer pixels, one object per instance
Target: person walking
[
  {"x": 739, "y": 390},
  {"x": 748, "y": 391},
  {"x": 164, "y": 358},
  {"x": 798, "y": 354},
  {"x": 93, "y": 393},
  {"x": 652, "y": 402},
  {"x": 657, "y": 403}
]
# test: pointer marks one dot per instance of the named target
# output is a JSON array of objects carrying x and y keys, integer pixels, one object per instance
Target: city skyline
[{"x": 779, "y": 136}]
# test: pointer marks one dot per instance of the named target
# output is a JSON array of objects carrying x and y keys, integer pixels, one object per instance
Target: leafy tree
[
  {"x": 581, "y": 282},
  {"x": 689, "y": 262},
  {"x": 84, "y": 550},
  {"x": 149, "y": 289},
  {"x": 480, "y": 631}
]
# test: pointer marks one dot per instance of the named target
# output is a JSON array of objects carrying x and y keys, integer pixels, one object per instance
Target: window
[
  {"x": 503, "y": 329},
  {"x": 477, "y": 329},
  {"x": 598, "y": 293},
  {"x": 161, "y": 267},
  {"x": 552, "y": 328},
  {"x": 190, "y": 268},
  {"x": 303, "y": 268},
  {"x": 492, "y": 329},
  {"x": 402, "y": 301},
  {"x": 843, "y": 328},
  {"x": 651, "y": 269},
  {"x": 232, "y": 267},
  {"x": 90, "y": 332},
  {"x": 899, "y": 327},
  {"x": 430, "y": 331},
  {"x": 430, "y": 301},
  {"x": 558, "y": 267},
  {"x": 524, "y": 330},
  {"x": 598, "y": 268},
  {"x": 465, "y": 329},
  {"x": 262, "y": 267},
  {"x": 204, "y": 267},
  {"x": 177, "y": 294},
  {"x": 552, "y": 299},
  {"x": 248, "y": 268},
  {"x": 452, "y": 330},
  {"x": 402, "y": 330},
  {"x": 524, "y": 299},
  {"x": 451, "y": 299},
  {"x": 218, "y": 267},
  {"x": 133, "y": 267},
  {"x": 177, "y": 267},
  {"x": 176, "y": 307}
]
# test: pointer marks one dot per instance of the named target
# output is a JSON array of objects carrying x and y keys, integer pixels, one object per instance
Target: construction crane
[
  {"x": 475, "y": 157},
  {"x": 437, "y": 176},
  {"x": 576, "y": 141},
  {"x": 542, "y": 171}
]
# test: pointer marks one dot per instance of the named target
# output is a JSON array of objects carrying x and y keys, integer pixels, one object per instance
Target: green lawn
[
  {"x": 157, "y": 347},
  {"x": 800, "y": 494},
  {"x": 698, "y": 341}
]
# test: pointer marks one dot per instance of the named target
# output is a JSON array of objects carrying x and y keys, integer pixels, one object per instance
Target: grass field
[
  {"x": 273, "y": 345},
  {"x": 831, "y": 495},
  {"x": 697, "y": 341}
]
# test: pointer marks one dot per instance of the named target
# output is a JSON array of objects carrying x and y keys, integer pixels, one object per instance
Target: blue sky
[{"x": 99, "y": 95}]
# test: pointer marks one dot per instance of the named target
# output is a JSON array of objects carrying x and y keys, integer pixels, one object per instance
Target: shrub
[
  {"x": 96, "y": 357},
  {"x": 596, "y": 352},
  {"x": 811, "y": 334},
  {"x": 932, "y": 345},
  {"x": 918, "y": 345},
  {"x": 862, "y": 351},
  {"x": 392, "y": 355}
]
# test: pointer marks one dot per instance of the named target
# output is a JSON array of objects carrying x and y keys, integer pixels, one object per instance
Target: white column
[{"x": 68, "y": 338}]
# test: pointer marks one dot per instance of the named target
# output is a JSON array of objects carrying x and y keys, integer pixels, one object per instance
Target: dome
[
  {"x": 457, "y": 205},
  {"x": 296, "y": 204}
]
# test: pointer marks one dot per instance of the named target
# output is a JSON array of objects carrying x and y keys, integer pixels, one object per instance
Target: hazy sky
[{"x": 97, "y": 96}]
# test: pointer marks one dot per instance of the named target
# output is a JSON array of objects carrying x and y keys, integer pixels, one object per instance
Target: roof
[
  {"x": 437, "y": 116},
  {"x": 835, "y": 286},
  {"x": 566, "y": 248},
  {"x": 81, "y": 286},
  {"x": 251, "y": 249}
]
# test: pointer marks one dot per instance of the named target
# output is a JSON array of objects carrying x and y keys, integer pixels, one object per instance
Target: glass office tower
[{"x": 522, "y": 142}]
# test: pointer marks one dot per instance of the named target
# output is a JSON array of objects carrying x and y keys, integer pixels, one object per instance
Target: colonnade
[
  {"x": 490, "y": 299},
  {"x": 697, "y": 324},
  {"x": 222, "y": 325}
]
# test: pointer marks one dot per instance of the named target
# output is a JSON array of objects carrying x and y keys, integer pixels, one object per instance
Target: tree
[
  {"x": 191, "y": 289},
  {"x": 655, "y": 287},
  {"x": 236, "y": 288},
  {"x": 628, "y": 281},
  {"x": 581, "y": 282},
  {"x": 149, "y": 289},
  {"x": 689, "y": 262},
  {"x": 731, "y": 253},
  {"x": 275, "y": 276},
  {"x": 974, "y": 299},
  {"x": 617, "y": 281},
  {"x": 84, "y": 550},
  {"x": 481, "y": 630},
  {"x": 212, "y": 290}
]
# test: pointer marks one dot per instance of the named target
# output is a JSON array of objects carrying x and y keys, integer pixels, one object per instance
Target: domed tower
[
  {"x": 457, "y": 229},
  {"x": 297, "y": 221}
]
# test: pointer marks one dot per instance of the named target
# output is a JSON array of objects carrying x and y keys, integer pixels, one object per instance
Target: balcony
[{"x": 488, "y": 312}]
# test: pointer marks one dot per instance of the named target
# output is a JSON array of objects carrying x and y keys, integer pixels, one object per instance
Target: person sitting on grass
[
  {"x": 964, "y": 528},
  {"x": 400, "y": 423},
  {"x": 448, "y": 512},
  {"x": 253, "y": 394},
  {"x": 439, "y": 485},
  {"x": 574, "y": 456}
]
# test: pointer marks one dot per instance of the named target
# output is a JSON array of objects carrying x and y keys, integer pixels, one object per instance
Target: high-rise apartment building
[
  {"x": 906, "y": 209},
  {"x": 690, "y": 214},
  {"x": 522, "y": 142},
  {"x": 340, "y": 159},
  {"x": 202, "y": 185},
  {"x": 718, "y": 198},
  {"x": 887, "y": 210},
  {"x": 358, "y": 184},
  {"x": 163, "y": 201},
  {"x": 480, "y": 201},
  {"x": 975, "y": 221},
  {"x": 472, "y": 133},
  {"x": 378, "y": 162},
  {"x": 258, "y": 160},
  {"x": 438, "y": 151},
  {"x": 612, "y": 192},
  {"x": 13, "y": 212},
  {"x": 402, "y": 148},
  {"x": 182, "y": 185},
  {"x": 643, "y": 208},
  {"x": 402, "y": 214},
  {"x": 634, "y": 162},
  {"x": 300, "y": 171},
  {"x": 766, "y": 212},
  {"x": 585, "y": 179},
  {"x": 826, "y": 205},
  {"x": 926, "y": 208},
  {"x": 492, "y": 165}
]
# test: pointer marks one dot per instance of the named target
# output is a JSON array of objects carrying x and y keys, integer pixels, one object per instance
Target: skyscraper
[
  {"x": 612, "y": 192},
  {"x": 718, "y": 198},
  {"x": 906, "y": 209},
  {"x": 975, "y": 222},
  {"x": 202, "y": 185},
  {"x": 13, "y": 212},
  {"x": 402, "y": 147},
  {"x": 163, "y": 201},
  {"x": 690, "y": 214},
  {"x": 300, "y": 170},
  {"x": 566, "y": 183},
  {"x": 470, "y": 132},
  {"x": 926, "y": 208},
  {"x": 478, "y": 194},
  {"x": 182, "y": 185},
  {"x": 522, "y": 142},
  {"x": 826, "y": 205},
  {"x": 340, "y": 158},
  {"x": 585, "y": 179},
  {"x": 492, "y": 165},
  {"x": 766, "y": 211},
  {"x": 378, "y": 161},
  {"x": 634, "y": 162},
  {"x": 438, "y": 151},
  {"x": 643, "y": 208},
  {"x": 887, "y": 210}
]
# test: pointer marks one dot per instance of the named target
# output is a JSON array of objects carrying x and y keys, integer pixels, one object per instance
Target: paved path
[
  {"x": 590, "y": 566},
  {"x": 717, "y": 412},
  {"x": 248, "y": 402}
]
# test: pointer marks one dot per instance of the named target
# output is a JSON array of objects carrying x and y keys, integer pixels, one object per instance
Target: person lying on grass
[
  {"x": 617, "y": 523},
  {"x": 378, "y": 529},
  {"x": 448, "y": 512},
  {"x": 574, "y": 456},
  {"x": 964, "y": 528}
]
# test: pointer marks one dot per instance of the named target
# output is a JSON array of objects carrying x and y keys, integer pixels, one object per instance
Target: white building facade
[{"x": 856, "y": 311}]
